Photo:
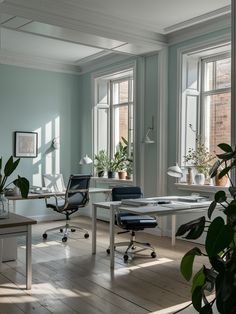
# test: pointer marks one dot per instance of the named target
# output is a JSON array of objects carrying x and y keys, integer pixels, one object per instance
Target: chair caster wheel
[
  {"x": 45, "y": 235},
  {"x": 72, "y": 230},
  {"x": 108, "y": 251},
  {"x": 86, "y": 235},
  {"x": 64, "y": 239},
  {"x": 153, "y": 254},
  {"x": 126, "y": 257},
  {"x": 61, "y": 230}
]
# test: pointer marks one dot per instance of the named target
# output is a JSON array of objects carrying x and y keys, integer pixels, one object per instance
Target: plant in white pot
[
  {"x": 201, "y": 159},
  {"x": 21, "y": 182}
]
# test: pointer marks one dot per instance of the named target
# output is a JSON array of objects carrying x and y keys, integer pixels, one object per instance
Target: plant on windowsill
[
  {"x": 21, "y": 182},
  {"x": 101, "y": 162},
  {"x": 218, "y": 275},
  {"x": 201, "y": 159}
]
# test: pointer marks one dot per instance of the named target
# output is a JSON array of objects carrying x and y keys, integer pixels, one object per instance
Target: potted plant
[
  {"x": 111, "y": 168},
  {"x": 220, "y": 247},
  {"x": 21, "y": 182},
  {"x": 101, "y": 162},
  {"x": 120, "y": 158},
  {"x": 201, "y": 159}
]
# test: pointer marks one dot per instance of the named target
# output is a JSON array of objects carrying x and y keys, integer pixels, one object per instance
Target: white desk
[
  {"x": 36, "y": 196},
  {"x": 14, "y": 226},
  {"x": 172, "y": 209}
]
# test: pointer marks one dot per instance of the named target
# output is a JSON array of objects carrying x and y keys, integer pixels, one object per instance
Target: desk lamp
[
  {"x": 86, "y": 160},
  {"x": 175, "y": 171}
]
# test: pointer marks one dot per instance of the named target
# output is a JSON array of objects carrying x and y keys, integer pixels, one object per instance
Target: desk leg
[
  {"x": 173, "y": 229},
  {"x": 112, "y": 235},
  {"x": 94, "y": 228},
  {"x": 28, "y": 258}
]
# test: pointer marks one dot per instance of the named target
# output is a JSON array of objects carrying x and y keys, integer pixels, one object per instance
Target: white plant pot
[{"x": 199, "y": 178}]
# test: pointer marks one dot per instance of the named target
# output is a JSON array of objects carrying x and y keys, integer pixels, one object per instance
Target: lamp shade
[
  {"x": 86, "y": 160},
  {"x": 175, "y": 171},
  {"x": 147, "y": 139}
]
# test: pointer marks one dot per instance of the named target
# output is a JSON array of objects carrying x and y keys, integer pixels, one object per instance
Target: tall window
[
  {"x": 216, "y": 97},
  {"x": 205, "y": 102},
  {"x": 113, "y": 114}
]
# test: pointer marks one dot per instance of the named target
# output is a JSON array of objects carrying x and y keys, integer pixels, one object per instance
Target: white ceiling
[{"x": 77, "y": 31}]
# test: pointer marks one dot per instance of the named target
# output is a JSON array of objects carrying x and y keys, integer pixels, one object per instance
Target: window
[
  {"x": 205, "y": 100},
  {"x": 113, "y": 112}
]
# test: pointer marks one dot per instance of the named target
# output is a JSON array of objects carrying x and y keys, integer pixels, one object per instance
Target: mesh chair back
[
  {"x": 126, "y": 192},
  {"x": 77, "y": 192}
]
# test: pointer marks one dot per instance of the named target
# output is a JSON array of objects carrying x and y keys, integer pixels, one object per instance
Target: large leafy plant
[
  {"x": 217, "y": 276},
  {"x": 21, "y": 182}
]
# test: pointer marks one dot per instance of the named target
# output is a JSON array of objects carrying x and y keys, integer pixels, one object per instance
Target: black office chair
[
  {"x": 132, "y": 222},
  {"x": 76, "y": 196}
]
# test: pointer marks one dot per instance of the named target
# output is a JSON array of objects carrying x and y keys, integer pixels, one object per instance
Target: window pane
[
  {"x": 102, "y": 131},
  {"x": 209, "y": 76},
  {"x": 223, "y": 73},
  {"x": 120, "y": 124},
  {"x": 120, "y": 92},
  {"x": 218, "y": 111}
]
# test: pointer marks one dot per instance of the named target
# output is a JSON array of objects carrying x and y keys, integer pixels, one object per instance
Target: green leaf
[
  {"x": 197, "y": 298},
  {"x": 230, "y": 211},
  {"x": 197, "y": 285},
  {"x": 211, "y": 209},
  {"x": 0, "y": 164},
  {"x": 186, "y": 266},
  {"x": 226, "y": 156},
  {"x": 206, "y": 309},
  {"x": 218, "y": 237},
  {"x": 225, "y": 147},
  {"x": 224, "y": 172},
  {"x": 195, "y": 228},
  {"x": 220, "y": 197},
  {"x": 23, "y": 184},
  {"x": 10, "y": 166}
]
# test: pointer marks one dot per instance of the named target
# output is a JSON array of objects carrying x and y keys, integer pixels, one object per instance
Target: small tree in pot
[{"x": 220, "y": 247}]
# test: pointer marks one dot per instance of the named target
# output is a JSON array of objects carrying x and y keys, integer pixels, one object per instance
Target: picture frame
[{"x": 25, "y": 144}]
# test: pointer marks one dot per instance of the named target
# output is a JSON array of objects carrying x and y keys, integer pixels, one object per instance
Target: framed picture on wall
[{"x": 25, "y": 144}]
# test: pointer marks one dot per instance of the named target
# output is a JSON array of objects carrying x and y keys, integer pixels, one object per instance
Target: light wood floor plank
[{"x": 68, "y": 279}]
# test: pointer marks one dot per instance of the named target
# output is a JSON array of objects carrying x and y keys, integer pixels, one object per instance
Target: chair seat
[{"x": 136, "y": 222}]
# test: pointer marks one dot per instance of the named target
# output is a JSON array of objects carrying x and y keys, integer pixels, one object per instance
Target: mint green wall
[
  {"x": 173, "y": 97},
  {"x": 29, "y": 100}
]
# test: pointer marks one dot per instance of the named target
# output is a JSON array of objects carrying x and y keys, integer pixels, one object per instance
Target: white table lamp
[
  {"x": 175, "y": 171},
  {"x": 86, "y": 160}
]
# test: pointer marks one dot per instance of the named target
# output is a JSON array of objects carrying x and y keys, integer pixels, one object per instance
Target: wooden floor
[{"x": 68, "y": 279}]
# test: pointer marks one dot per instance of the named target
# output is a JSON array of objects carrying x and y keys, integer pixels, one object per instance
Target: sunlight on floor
[
  {"x": 152, "y": 263},
  {"x": 171, "y": 309},
  {"x": 43, "y": 244}
]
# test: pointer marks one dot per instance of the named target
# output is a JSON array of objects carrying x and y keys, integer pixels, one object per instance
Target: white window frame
[
  {"x": 181, "y": 52},
  {"x": 109, "y": 74}
]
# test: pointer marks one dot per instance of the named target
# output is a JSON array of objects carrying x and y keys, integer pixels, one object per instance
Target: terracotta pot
[
  {"x": 222, "y": 181},
  {"x": 122, "y": 175}
]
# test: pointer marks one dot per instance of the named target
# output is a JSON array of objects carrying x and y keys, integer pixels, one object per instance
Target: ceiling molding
[
  {"x": 26, "y": 61},
  {"x": 199, "y": 19},
  {"x": 69, "y": 15},
  {"x": 203, "y": 28},
  {"x": 104, "y": 61}
]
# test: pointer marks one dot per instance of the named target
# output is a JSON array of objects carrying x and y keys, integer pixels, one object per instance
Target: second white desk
[{"x": 159, "y": 210}]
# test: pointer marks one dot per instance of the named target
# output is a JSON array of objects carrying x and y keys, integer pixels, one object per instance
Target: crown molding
[
  {"x": 199, "y": 19},
  {"x": 102, "y": 62},
  {"x": 26, "y": 61},
  {"x": 69, "y": 14},
  {"x": 210, "y": 26}
]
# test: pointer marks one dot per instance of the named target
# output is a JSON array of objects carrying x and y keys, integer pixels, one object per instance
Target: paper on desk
[{"x": 184, "y": 205}]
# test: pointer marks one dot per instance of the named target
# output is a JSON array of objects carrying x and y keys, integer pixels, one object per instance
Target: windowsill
[
  {"x": 201, "y": 188},
  {"x": 109, "y": 180}
]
